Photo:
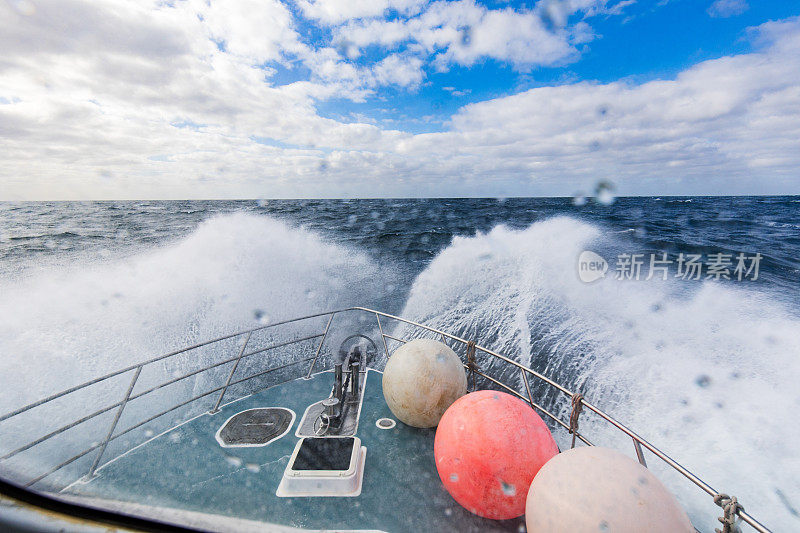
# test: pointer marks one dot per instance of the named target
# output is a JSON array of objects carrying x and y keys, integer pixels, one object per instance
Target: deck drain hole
[{"x": 385, "y": 423}]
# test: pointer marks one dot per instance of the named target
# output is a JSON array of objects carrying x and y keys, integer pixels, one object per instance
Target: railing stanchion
[
  {"x": 230, "y": 376},
  {"x": 527, "y": 386},
  {"x": 122, "y": 405},
  {"x": 639, "y": 452},
  {"x": 319, "y": 348},
  {"x": 383, "y": 337}
]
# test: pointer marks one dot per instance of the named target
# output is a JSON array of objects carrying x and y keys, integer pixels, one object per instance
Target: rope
[
  {"x": 471, "y": 364},
  {"x": 730, "y": 510},
  {"x": 577, "y": 407}
]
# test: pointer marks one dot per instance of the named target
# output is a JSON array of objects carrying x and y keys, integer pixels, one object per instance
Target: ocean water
[{"x": 706, "y": 369}]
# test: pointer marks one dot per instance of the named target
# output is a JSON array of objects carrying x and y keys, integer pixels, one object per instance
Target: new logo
[{"x": 591, "y": 266}]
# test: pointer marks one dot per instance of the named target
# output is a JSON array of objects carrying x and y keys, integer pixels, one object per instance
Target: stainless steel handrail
[
  {"x": 638, "y": 441},
  {"x": 154, "y": 360},
  {"x": 129, "y": 396}
]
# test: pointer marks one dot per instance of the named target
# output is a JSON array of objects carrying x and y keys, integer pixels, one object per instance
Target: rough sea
[{"x": 705, "y": 363}]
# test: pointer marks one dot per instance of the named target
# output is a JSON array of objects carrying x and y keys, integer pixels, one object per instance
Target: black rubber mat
[
  {"x": 324, "y": 454},
  {"x": 255, "y": 426}
]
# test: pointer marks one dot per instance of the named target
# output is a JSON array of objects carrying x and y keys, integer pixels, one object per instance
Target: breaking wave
[
  {"x": 61, "y": 327},
  {"x": 706, "y": 372}
]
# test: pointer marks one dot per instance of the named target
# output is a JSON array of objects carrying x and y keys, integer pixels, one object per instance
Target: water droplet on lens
[
  {"x": 579, "y": 199},
  {"x": 252, "y": 467},
  {"x": 261, "y": 316},
  {"x": 175, "y": 437},
  {"x": 233, "y": 461},
  {"x": 508, "y": 489},
  {"x": 262, "y": 203},
  {"x": 604, "y": 192},
  {"x": 351, "y": 220},
  {"x": 148, "y": 433},
  {"x": 448, "y": 512},
  {"x": 703, "y": 381},
  {"x": 454, "y": 477}
]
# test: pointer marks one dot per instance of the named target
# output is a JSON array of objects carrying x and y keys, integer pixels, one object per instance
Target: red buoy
[{"x": 489, "y": 445}]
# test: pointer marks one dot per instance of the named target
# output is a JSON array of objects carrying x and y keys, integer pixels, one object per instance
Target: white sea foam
[
  {"x": 60, "y": 327},
  {"x": 707, "y": 372}
]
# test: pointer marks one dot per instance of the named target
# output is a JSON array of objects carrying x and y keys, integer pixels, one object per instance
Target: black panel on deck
[
  {"x": 256, "y": 426},
  {"x": 324, "y": 454}
]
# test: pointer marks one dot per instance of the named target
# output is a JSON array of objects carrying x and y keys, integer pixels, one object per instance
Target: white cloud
[
  {"x": 727, "y": 8},
  {"x": 124, "y": 99},
  {"x": 464, "y": 32},
  {"x": 398, "y": 70},
  {"x": 259, "y": 30},
  {"x": 338, "y": 11},
  {"x": 734, "y": 118}
]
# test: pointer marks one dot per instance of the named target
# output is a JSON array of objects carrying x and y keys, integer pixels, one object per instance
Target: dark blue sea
[{"x": 703, "y": 362}]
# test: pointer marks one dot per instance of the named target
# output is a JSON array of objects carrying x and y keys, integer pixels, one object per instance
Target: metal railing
[
  {"x": 638, "y": 441},
  {"x": 112, "y": 434}
]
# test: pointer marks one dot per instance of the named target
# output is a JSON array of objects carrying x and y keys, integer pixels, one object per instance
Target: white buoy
[
  {"x": 421, "y": 379},
  {"x": 599, "y": 489}
]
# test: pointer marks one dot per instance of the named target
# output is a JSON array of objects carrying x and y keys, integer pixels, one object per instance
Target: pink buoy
[
  {"x": 488, "y": 447},
  {"x": 599, "y": 489}
]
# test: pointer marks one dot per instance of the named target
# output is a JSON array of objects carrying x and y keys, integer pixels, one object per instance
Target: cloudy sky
[{"x": 117, "y": 99}]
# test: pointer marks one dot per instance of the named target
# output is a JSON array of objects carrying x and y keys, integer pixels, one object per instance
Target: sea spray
[
  {"x": 62, "y": 327},
  {"x": 703, "y": 370}
]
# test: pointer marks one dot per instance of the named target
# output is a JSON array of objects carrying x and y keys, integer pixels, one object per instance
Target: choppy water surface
[{"x": 706, "y": 369}]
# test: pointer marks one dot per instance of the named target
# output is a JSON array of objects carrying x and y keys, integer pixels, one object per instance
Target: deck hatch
[
  {"x": 324, "y": 467},
  {"x": 324, "y": 454},
  {"x": 255, "y": 427}
]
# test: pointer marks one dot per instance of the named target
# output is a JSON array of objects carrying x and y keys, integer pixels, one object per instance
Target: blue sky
[
  {"x": 342, "y": 98},
  {"x": 648, "y": 40}
]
